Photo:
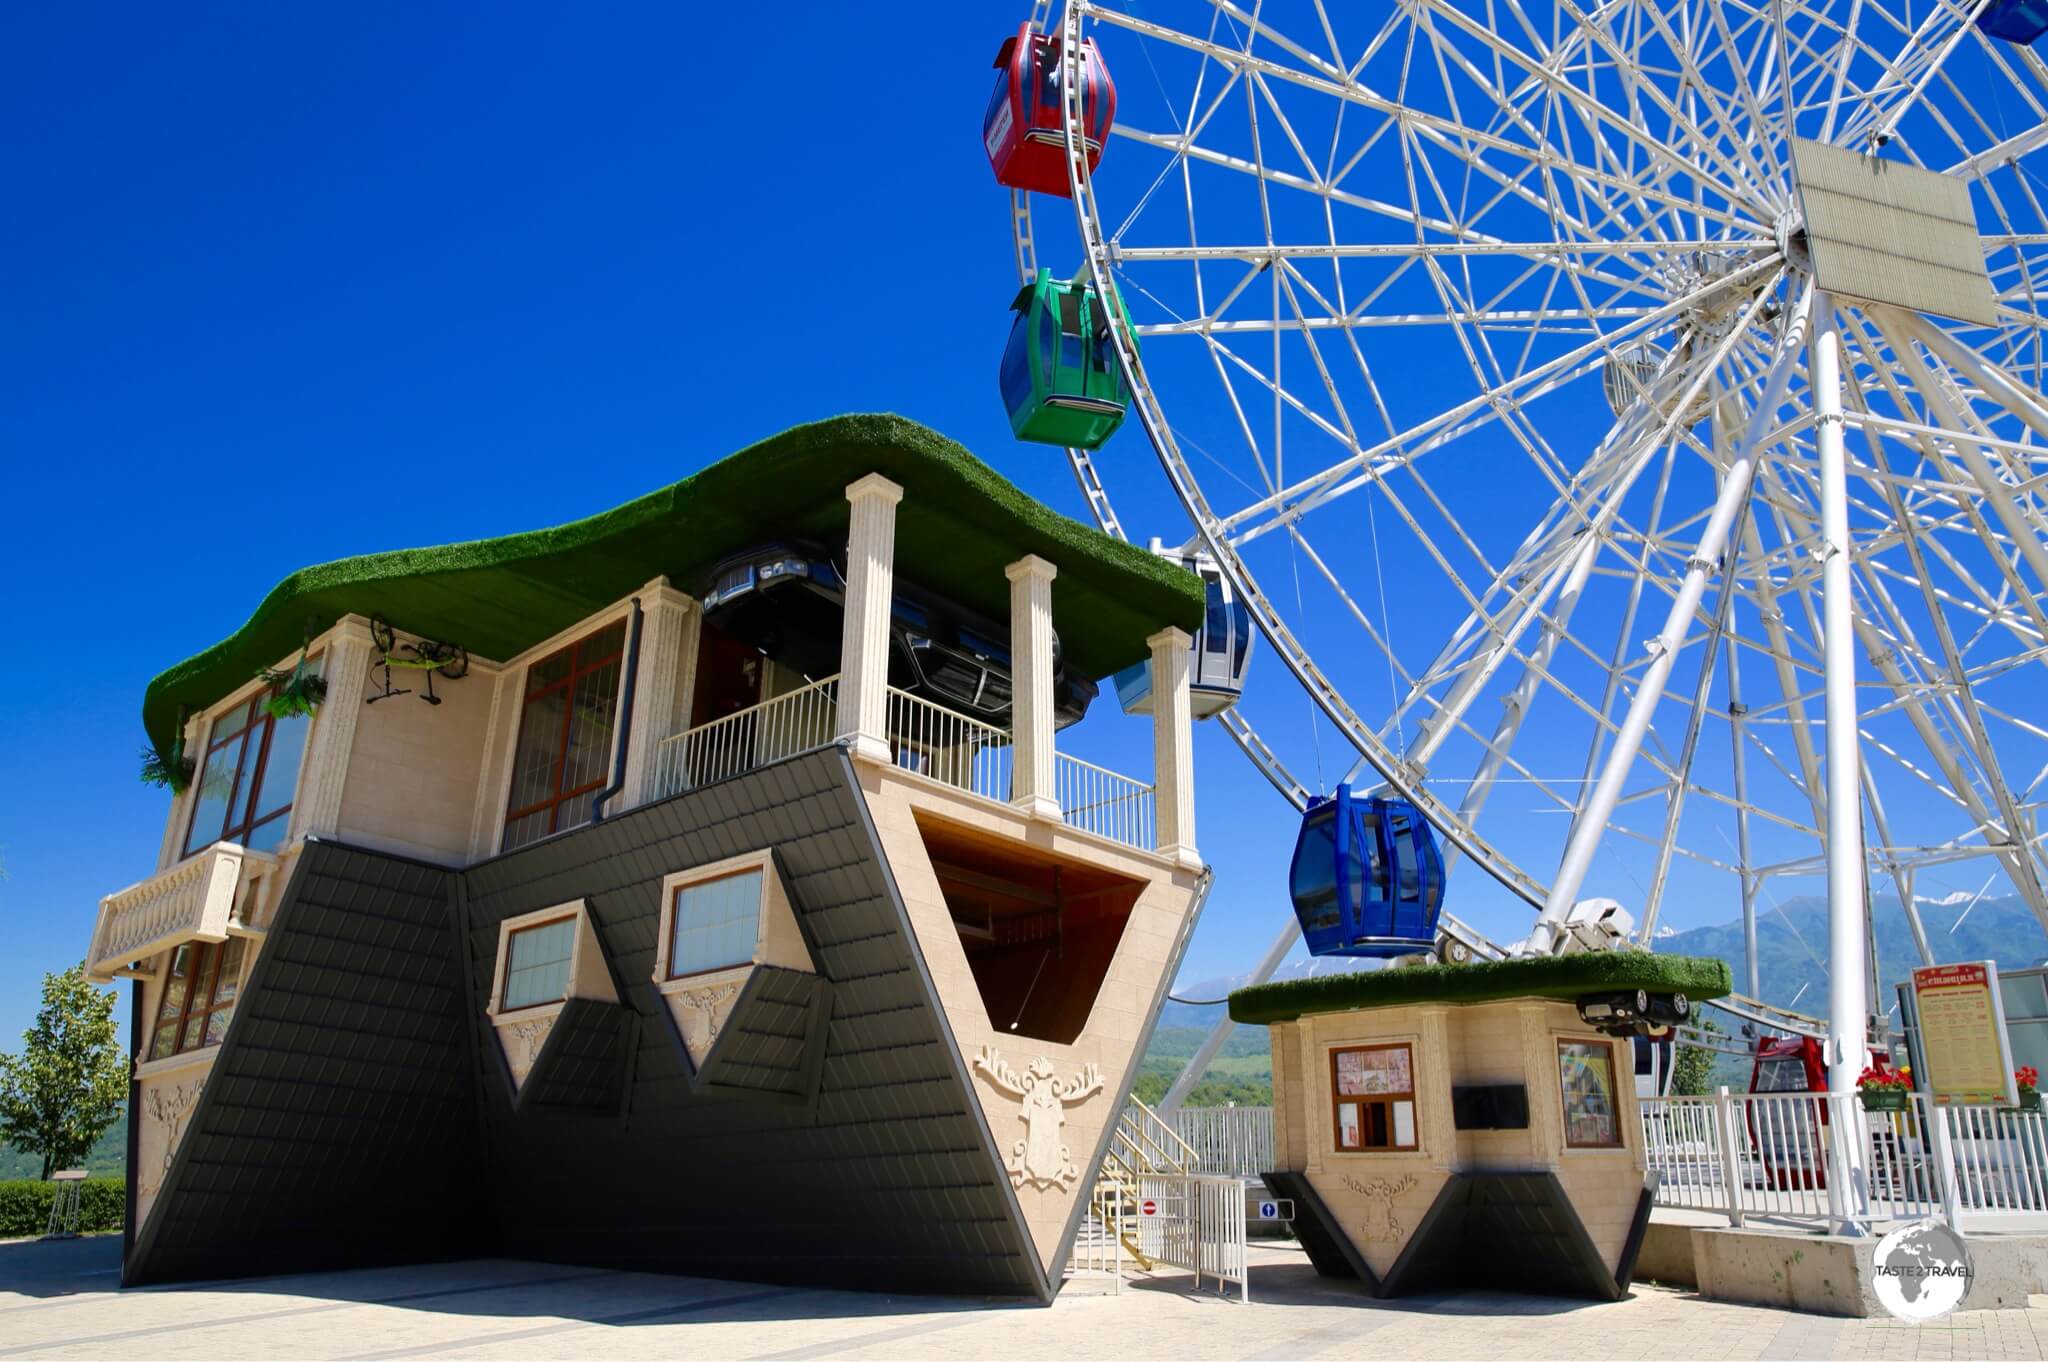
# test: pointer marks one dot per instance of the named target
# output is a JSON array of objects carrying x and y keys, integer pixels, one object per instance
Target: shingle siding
[{"x": 833, "y": 1138}]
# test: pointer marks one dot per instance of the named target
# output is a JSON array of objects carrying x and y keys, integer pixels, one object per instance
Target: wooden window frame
[
  {"x": 232, "y": 830},
  {"x": 1620, "y": 1140},
  {"x": 211, "y": 956},
  {"x": 505, "y": 1009},
  {"x": 578, "y": 669},
  {"x": 1386, "y": 1099},
  {"x": 674, "y": 907}
]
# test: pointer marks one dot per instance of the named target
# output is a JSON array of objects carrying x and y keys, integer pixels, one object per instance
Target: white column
[
  {"x": 1173, "y": 757},
  {"x": 864, "y": 638},
  {"x": 668, "y": 648},
  {"x": 1848, "y": 1009},
  {"x": 1031, "y": 778},
  {"x": 345, "y": 664}
]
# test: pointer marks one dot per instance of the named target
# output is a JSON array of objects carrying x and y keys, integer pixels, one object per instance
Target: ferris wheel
[{"x": 1588, "y": 402}]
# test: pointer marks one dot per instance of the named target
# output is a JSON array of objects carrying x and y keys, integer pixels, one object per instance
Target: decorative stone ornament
[
  {"x": 1040, "y": 1159},
  {"x": 1381, "y": 1223}
]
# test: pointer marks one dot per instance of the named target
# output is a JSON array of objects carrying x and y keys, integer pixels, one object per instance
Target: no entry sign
[{"x": 1148, "y": 1207}]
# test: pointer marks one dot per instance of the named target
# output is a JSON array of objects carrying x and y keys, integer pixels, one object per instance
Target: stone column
[
  {"x": 668, "y": 650},
  {"x": 1173, "y": 756},
  {"x": 345, "y": 661},
  {"x": 864, "y": 638},
  {"x": 1031, "y": 771},
  {"x": 172, "y": 849}
]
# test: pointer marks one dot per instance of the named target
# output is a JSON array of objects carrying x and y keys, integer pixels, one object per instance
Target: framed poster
[
  {"x": 1963, "y": 1042},
  {"x": 1585, "y": 1075}
]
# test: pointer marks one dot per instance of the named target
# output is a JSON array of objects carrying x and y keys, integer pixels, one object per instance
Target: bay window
[{"x": 247, "y": 777}]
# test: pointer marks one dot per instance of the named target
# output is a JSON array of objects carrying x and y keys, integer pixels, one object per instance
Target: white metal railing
[
  {"x": 1196, "y": 1223},
  {"x": 931, "y": 740},
  {"x": 1098, "y": 800},
  {"x": 1233, "y": 1140},
  {"x": 1147, "y": 1142},
  {"x": 771, "y": 731},
  {"x": 1767, "y": 1154},
  {"x": 1098, "y": 1249},
  {"x": 196, "y": 899}
]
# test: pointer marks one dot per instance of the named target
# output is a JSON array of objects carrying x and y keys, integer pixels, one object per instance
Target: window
[
  {"x": 198, "y": 997},
  {"x": 247, "y": 777},
  {"x": 537, "y": 964},
  {"x": 1585, "y": 1073},
  {"x": 1372, "y": 1088},
  {"x": 715, "y": 924},
  {"x": 565, "y": 736}
]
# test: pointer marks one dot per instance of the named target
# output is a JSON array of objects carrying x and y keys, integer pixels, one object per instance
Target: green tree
[
  {"x": 59, "y": 1095},
  {"x": 1692, "y": 1067}
]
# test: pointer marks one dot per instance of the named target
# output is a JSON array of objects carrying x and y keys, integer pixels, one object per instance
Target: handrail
[
  {"x": 1105, "y": 802},
  {"x": 776, "y": 729},
  {"x": 933, "y": 741}
]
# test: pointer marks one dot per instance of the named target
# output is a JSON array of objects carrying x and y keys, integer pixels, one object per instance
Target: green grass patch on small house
[{"x": 1560, "y": 976}]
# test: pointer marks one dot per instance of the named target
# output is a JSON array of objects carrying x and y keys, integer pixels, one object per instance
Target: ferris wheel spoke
[{"x": 1455, "y": 133}]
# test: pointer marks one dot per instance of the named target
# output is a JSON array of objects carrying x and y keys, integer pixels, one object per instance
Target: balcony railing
[
  {"x": 195, "y": 900},
  {"x": 925, "y": 739},
  {"x": 1098, "y": 800},
  {"x": 771, "y": 731},
  {"x": 930, "y": 740}
]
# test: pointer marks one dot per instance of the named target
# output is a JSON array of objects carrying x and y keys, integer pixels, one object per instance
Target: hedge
[
  {"x": 25, "y": 1206},
  {"x": 1485, "y": 981},
  {"x": 959, "y": 524}
]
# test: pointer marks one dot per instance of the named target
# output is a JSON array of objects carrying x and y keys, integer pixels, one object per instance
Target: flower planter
[
  {"x": 2030, "y": 1099},
  {"x": 1883, "y": 1099}
]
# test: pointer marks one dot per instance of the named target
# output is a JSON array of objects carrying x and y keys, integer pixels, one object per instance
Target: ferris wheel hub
[{"x": 1790, "y": 233}]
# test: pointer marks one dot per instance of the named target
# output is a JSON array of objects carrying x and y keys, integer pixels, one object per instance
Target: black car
[{"x": 788, "y": 600}]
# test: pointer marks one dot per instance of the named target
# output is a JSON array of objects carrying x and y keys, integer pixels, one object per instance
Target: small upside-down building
[{"x": 732, "y": 909}]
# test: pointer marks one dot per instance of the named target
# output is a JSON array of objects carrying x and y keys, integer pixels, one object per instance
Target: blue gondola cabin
[
  {"x": 1216, "y": 664},
  {"x": 2015, "y": 21},
  {"x": 1060, "y": 378},
  {"x": 1024, "y": 129},
  {"x": 1367, "y": 879}
]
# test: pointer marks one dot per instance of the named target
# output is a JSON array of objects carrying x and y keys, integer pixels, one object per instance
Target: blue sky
[{"x": 284, "y": 287}]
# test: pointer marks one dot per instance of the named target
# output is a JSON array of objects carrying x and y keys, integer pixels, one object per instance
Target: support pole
[
  {"x": 1848, "y": 1009},
  {"x": 1736, "y": 712},
  {"x": 1220, "y": 1032},
  {"x": 1735, "y": 485}
]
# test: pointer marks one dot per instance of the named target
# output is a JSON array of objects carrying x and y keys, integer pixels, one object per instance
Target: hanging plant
[
  {"x": 173, "y": 772},
  {"x": 298, "y": 692}
]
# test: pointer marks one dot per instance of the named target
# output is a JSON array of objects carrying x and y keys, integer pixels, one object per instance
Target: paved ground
[{"x": 59, "y": 1300}]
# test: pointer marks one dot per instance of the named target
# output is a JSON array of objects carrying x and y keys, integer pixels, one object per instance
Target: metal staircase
[{"x": 1143, "y": 1145}]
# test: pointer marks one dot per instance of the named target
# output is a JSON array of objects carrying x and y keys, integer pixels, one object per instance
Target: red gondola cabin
[{"x": 1022, "y": 128}]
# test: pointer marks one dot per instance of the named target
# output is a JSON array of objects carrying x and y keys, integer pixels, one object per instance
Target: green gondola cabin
[{"x": 1060, "y": 379}]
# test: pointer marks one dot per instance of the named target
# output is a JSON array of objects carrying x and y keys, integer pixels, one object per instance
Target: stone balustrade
[{"x": 195, "y": 900}]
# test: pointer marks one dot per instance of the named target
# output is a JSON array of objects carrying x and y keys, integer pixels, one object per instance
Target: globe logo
[{"x": 1922, "y": 1271}]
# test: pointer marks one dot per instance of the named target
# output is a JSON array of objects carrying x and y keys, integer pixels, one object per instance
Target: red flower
[{"x": 2027, "y": 1077}]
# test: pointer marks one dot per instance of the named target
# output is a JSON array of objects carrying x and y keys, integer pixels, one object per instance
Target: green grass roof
[
  {"x": 959, "y": 524},
  {"x": 1485, "y": 981}
]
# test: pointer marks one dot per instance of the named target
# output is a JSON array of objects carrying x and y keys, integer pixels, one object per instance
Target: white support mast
[{"x": 1848, "y": 1008}]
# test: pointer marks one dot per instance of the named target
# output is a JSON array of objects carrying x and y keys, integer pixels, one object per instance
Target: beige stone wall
[
  {"x": 169, "y": 1092},
  {"x": 1106, "y": 1047},
  {"x": 1379, "y": 1197},
  {"x": 413, "y": 773}
]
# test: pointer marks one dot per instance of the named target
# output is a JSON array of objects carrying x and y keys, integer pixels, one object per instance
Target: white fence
[
  {"x": 1196, "y": 1223},
  {"x": 771, "y": 731},
  {"x": 1098, "y": 800},
  {"x": 1233, "y": 1140},
  {"x": 934, "y": 741},
  {"x": 1098, "y": 1250},
  {"x": 1768, "y": 1154},
  {"x": 924, "y": 738}
]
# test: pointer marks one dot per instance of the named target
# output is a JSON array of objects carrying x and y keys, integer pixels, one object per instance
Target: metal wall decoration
[{"x": 450, "y": 660}]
